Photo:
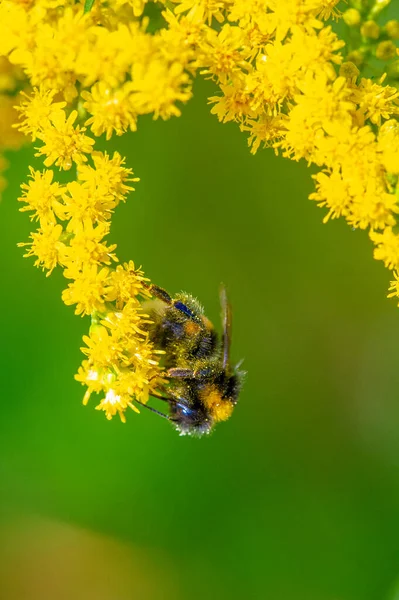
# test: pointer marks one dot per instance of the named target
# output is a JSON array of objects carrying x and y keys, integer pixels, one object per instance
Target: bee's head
[{"x": 190, "y": 420}]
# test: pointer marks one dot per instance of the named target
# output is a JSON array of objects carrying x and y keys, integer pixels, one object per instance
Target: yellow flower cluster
[
  {"x": 103, "y": 61},
  {"x": 283, "y": 79},
  {"x": 74, "y": 220},
  {"x": 93, "y": 68},
  {"x": 101, "y": 70}
]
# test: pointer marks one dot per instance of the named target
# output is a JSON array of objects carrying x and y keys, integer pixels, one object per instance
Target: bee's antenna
[
  {"x": 153, "y": 410},
  {"x": 158, "y": 292}
]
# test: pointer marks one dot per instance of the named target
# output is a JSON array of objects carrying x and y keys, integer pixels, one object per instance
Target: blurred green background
[{"x": 297, "y": 496}]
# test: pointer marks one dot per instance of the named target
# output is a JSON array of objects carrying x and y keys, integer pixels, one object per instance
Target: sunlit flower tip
[
  {"x": 88, "y": 290},
  {"x": 46, "y": 246},
  {"x": 64, "y": 144},
  {"x": 96, "y": 377},
  {"x": 37, "y": 111},
  {"x": 113, "y": 404},
  {"x": 42, "y": 196}
]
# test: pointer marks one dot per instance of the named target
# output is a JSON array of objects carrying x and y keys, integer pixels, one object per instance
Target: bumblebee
[{"x": 202, "y": 386}]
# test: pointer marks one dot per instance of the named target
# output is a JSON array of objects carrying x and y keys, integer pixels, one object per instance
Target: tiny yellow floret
[
  {"x": 392, "y": 29},
  {"x": 370, "y": 29},
  {"x": 352, "y": 17}
]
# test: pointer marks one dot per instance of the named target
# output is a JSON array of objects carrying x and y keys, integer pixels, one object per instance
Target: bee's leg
[
  {"x": 159, "y": 396},
  {"x": 157, "y": 412},
  {"x": 180, "y": 373},
  {"x": 176, "y": 373}
]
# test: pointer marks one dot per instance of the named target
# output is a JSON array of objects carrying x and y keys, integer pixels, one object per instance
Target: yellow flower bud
[
  {"x": 352, "y": 17},
  {"x": 349, "y": 70},
  {"x": 393, "y": 69},
  {"x": 355, "y": 57},
  {"x": 392, "y": 29},
  {"x": 386, "y": 50},
  {"x": 371, "y": 30}
]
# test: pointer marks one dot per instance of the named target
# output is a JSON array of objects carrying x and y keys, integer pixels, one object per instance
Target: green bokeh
[{"x": 297, "y": 496}]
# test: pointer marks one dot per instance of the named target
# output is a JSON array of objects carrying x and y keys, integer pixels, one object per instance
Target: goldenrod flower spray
[{"x": 71, "y": 71}]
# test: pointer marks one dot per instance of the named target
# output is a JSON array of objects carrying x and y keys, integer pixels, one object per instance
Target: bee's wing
[{"x": 226, "y": 323}]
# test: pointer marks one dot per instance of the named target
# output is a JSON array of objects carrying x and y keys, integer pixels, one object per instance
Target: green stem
[{"x": 377, "y": 8}]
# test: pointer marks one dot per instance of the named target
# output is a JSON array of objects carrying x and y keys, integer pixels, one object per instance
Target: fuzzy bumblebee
[{"x": 202, "y": 388}]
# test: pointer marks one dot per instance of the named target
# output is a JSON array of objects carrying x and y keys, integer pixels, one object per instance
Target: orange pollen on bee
[
  {"x": 207, "y": 323},
  {"x": 191, "y": 328},
  {"x": 219, "y": 409}
]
